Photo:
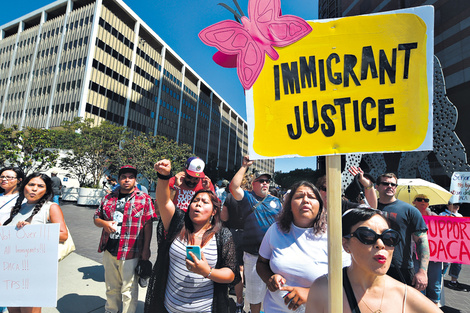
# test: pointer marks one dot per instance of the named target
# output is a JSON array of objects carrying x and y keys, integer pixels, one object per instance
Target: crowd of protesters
[{"x": 246, "y": 235}]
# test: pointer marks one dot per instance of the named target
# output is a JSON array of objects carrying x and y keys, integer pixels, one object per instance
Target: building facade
[
  {"x": 451, "y": 46},
  {"x": 97, "y": 59}
]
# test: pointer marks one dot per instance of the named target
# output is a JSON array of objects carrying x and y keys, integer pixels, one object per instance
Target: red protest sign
[{"x": 449, "y": 239}]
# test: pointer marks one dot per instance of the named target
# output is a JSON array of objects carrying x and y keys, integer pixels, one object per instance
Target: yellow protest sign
[{"x": 355, "y": 84}]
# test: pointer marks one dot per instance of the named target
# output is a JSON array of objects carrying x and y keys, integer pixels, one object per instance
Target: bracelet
[
  {"x": 370, "y": 186},
  {"x": 210, "y": 272},
  {"x": 164, "y": 177}
]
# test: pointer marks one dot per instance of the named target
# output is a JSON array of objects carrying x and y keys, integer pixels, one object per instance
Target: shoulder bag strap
[{"x": 1, "y": 207}]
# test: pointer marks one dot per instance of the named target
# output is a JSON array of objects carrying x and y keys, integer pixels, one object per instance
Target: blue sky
[{"x": 178, "y": 24}]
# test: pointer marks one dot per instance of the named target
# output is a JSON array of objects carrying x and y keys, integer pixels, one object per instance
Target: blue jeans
[
  {"x": 433, "y": 290},
  {"x": 56, "y": 200},
  {"x": 454, "y": 270}
]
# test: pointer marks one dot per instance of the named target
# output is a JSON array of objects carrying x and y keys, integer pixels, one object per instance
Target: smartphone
[{"x": 194, "y": 249}]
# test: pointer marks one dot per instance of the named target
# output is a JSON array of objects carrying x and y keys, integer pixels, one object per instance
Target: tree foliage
[
  {"x": 92, "y": 147},
  {"x": 38, "y": 151},
  {"x": 142, "y": 151},
  {"x": 9, "y": 145},
  {"x": 286, "y": 180}
]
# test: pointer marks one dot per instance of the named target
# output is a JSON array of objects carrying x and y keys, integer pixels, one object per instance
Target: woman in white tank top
[{"x": 37, "y": 209}]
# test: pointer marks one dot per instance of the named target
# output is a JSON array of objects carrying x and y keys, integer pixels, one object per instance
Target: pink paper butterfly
[{"x": 249, "y": 41}]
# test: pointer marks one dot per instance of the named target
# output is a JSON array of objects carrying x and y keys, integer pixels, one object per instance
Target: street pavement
[{"x": 81, "y": 286}]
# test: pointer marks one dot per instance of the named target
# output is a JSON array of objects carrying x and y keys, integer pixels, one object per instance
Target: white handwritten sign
[
  {"x": 28, "y": 265},
  {"x": 460, "y": 187}
]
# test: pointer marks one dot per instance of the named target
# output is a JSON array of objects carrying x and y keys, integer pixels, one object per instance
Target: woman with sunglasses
[
  {"x": 178, "y": 284},
  {"x": 368, "y": 237},
  {"x": 37, "y": 209},
  {"x": 433, "y": 289},
  {"x": 10, "y": 182},
  {"x": 294, "y": 250}
]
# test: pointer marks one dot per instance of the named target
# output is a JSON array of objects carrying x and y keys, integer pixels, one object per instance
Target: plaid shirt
[{"x": 138, "y": 211}]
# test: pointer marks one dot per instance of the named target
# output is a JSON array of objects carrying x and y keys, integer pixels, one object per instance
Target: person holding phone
[{"x": 178, "y": 284}]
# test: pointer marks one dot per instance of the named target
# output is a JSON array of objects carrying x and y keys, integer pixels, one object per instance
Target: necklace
[{"x": 379, "y": 310}]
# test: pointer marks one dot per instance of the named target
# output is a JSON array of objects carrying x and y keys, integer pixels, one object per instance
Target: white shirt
[{"x": 299, "y": 256}]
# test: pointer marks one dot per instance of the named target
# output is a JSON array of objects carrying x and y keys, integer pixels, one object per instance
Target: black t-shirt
[
  {"x": 235, "y": 218},
  {"x": 113, "y": 242}
]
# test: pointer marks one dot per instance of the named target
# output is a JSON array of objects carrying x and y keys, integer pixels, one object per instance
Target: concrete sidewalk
[{"x": 81, "y": 287}]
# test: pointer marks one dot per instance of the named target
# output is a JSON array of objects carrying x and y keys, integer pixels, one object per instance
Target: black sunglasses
[
  {"x": 322, "y": 188},
  {"x": 388, "y": 184},
  {"x": 262, "y": 181},
  {"x": 367, "y": 236},
  {"x": 422, "y": 199}
]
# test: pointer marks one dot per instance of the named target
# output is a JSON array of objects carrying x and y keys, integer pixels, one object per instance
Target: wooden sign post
[{"x": 335, "y": 275}]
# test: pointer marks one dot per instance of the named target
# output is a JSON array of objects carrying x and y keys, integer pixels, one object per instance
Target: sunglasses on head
[
  {"x": 367, "y": 236},
  {"x": 388, "y": 184},
  {"x": 422, "y": 199},
  {"x": 262, "y": 181}
]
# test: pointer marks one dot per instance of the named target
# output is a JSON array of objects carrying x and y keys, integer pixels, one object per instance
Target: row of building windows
[
  {"x": 48, "y": 34},
  {"x": 44, "y": 110},
  {"x": 137, "y": 126},
  {"x": 168, "y": 106},
  {"x": 148, "y": 58},
  {"x": 141, "y": 109},
  {"x": 146, "y": 75},
  {"x": 143, "y": 92},
  {"x": 189, "y": 104},
  {"x": 116, "y": 118},
  {"x": 114, "y": 53},
  {"x": 107, "y": 93},
  {"x": 72, "y": 64},
  {"x": 76, "y": 43},
  {"x": 113, "y": 31},
  {"x": 69, "y": 85},
  {"x": 171, "y": 92},
  {"x": 172, "y": 77},
  {"x": 190, "y": 92},
  {"x": 109, "y": 72},
  {"x": 22, "y": 60}
]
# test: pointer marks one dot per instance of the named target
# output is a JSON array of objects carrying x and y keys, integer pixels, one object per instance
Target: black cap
[{"x": 127, "y": 169}]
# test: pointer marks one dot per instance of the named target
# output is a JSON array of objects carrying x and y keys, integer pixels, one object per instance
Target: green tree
[
  {"x": 92, "y": 148},
  {"x": 142, "y": 151},
  {"x": 288, "y": 179},
  {"x": 9, "y": 145},
  {"x": 38, "y": 151}
]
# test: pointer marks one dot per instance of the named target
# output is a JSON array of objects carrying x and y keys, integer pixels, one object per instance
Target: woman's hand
[
  {"x": 197, "y": 266},
  {"x": 20, "y": 224},
  {"x": 275, "y": 282},
  {"x": 296, "y": 296}
]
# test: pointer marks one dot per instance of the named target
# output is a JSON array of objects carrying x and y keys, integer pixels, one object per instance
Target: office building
[{"x": 97, "y": 59}]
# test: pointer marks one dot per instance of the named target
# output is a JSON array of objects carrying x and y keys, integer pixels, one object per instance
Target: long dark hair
[
  {"x": 19, "y": 175},
  {"x": 46, "y": 197},
  {"x": 286, "y": 217},
  {"x": 361, "y": 214},
  {"x": 216, "y": 224}
]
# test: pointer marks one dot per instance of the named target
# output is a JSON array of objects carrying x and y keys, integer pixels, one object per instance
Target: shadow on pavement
[
  {"x": 95, "y": 272},
  {"x": 447, "y": 309},
  {"x": 74, "y": 303}
]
